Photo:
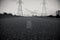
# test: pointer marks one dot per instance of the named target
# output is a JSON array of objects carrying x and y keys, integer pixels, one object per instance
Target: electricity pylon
[
  {"x": 20, "y": 11},
  {"x": 44, "y": 8}
]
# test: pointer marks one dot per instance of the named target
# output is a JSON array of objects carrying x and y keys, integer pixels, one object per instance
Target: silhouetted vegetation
[
  {"x": 58, "y": 14},
  {"x": 10, "y": 14},
  {"x": 5, "y": 14},
  {"x": 50, "y": 16}
]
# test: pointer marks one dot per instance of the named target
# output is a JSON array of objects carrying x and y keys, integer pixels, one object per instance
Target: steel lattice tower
[
  {"x": 20, "y": 11},
  {"x": 44, "y": 8}
]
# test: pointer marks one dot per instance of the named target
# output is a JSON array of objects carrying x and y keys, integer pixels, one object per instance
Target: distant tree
[
  {"x": 10, "y": 14},
  {"x": 1, "y": 14},
  {"x": 5, "y": 13},
  {"x": 14, "y": 15},
  {"x": 58, "y": 13},
  {"x": 50, "y": 16}
]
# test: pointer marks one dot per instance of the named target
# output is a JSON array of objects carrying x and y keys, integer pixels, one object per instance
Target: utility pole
[
  {"x": 20, "y": 11},
  {"x": 44, "y": 8}
]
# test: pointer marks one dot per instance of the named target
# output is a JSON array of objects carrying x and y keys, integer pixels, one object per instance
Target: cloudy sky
[{"x": 11, "y": 6}]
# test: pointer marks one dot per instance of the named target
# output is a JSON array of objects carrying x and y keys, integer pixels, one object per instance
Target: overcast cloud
[{"x": 11, "y": 6}]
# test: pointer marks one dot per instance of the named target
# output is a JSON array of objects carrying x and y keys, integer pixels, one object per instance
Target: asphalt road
[{"x": 29, "y": 28}]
